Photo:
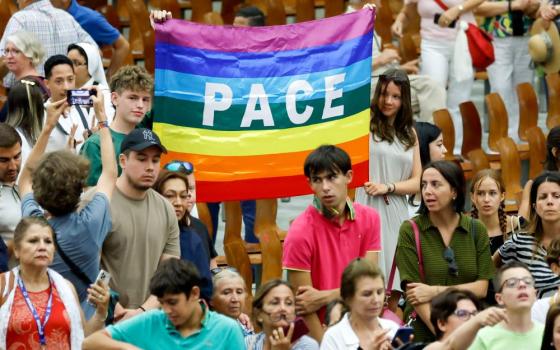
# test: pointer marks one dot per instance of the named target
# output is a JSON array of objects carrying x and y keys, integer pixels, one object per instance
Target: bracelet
[
  {"x": 391, "y": 188},
  {"x": 142, "y": 308},
  {"x": 104, "y": 124}
]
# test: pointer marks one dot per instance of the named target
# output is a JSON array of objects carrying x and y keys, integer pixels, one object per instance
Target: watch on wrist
[{"x": 461, "y": 8}]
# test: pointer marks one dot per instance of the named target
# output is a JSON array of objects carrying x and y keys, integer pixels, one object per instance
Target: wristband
[
  {"x": 104, "y": 124},
  {"x": 142, "y": 308}
]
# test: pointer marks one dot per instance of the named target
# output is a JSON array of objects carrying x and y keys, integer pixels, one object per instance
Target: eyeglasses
[
  {"x": 177, "y": 165},
  {"x": 13, "y": 52},
  {"x": 464, "y": 315},
  {"x": 514, "y": 282},
  {"x": 449, "y": 256},
  {"x": 76, "y": 63},
  {"x": 217, "y": 270}
]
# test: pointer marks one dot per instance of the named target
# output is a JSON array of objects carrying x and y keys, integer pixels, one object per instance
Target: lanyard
[{"x": 40, "y": 327}]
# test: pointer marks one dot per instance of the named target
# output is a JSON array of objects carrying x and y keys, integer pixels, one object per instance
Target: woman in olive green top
[{"x": 454, "y": 247}]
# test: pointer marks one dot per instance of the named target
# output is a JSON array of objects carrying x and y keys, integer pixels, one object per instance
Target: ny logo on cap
[{"x": 148, "y": 136}]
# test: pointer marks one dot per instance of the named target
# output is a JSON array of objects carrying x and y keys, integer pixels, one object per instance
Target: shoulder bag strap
[
  {"x": 392, "y": 273},
  {"x": 83, "y": 118},
  {"x": 73, "y": 267},
  {"x": 418, "y": 249},
  {"x": 442, "y": 5}
]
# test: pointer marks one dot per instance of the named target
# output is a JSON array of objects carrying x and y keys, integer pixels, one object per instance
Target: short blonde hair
[{"x": 29, "y": 45}]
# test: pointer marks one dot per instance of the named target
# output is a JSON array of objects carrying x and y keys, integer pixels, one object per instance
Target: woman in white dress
[{"x": 394, "y": 164}]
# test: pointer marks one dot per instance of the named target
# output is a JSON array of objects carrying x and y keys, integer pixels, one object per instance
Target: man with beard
[
  {"x": 145, "y": 230},
  {"x": 10, "y": 211}
]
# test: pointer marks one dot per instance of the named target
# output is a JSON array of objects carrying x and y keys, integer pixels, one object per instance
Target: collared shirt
[
  {"x": 154, "y": 330},
  {"x": 471, "y": 249},
  {"x": 341, "y": 336},
  {"x": 55, "y": 29},
  {"x": 324, "y": 247},
  {"x": 10, "y": 210},
  {"x": 349, "y": 209}
]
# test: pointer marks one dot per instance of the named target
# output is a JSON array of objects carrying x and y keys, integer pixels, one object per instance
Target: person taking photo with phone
[{"x": 51, "y": 185}]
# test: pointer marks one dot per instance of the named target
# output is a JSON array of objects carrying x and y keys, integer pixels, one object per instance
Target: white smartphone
[{"x": 104, "y": 277}]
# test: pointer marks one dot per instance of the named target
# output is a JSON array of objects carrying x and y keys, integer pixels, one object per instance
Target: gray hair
[
  {"x": 226, "y": 274},
  {"x": 28, "y": 44}
]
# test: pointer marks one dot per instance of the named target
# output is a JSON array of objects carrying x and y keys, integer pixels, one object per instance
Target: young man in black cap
[{"x": 145, "y": 230}]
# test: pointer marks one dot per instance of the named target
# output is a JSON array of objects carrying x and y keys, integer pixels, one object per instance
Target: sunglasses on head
[
  {"x": 180, "y": 166},
  {"x": 449, "y": 256},
  {"x": 217, "y": 270}
]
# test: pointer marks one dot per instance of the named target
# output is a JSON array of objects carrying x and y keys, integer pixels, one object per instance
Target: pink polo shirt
[{"x": 324, "y": 247}]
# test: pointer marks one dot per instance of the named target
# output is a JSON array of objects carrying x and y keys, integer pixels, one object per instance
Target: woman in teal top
[{"x": 454, "y": 247}]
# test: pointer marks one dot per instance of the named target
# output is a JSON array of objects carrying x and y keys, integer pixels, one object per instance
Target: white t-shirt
[
  {"x": 342, "y": 336},
  {"x": 427, "y": 9},
  {"x": 540, "y": 309}
]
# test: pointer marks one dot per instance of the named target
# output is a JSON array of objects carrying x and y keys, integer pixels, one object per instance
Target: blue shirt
[
  {"x": 192, "y": 249},
  {"x": 94, "y": 23},
  {"x": 80, "y": 235},
  {"x": 153, "y": 330},
  {"x": 3, "y": 256}
]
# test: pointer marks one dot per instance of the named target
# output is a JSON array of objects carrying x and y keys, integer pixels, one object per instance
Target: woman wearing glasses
[
  {"x": 441, "y": 247},
  {"x": 274, "y": 311},
  {"x": 530, "y": 247},
  {"x": 174, "y": 187},
  {"x": 451, "y": 309},
  {"x": 394, "y": 165}
]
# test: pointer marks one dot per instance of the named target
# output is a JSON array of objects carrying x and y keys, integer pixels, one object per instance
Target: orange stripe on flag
[{"x": 220, "y": 168}]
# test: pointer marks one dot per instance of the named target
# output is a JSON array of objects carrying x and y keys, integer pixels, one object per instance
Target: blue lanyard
[{"x": 40, "y": 327}]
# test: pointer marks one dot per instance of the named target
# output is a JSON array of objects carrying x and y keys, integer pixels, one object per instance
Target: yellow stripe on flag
[{"x": 247, "y": 143}]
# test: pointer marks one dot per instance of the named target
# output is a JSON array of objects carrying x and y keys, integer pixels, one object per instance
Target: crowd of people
[{"x": 101, "y": 247}]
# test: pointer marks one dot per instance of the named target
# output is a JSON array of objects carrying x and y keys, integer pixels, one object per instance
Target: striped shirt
[{"x": 524, "y": 248}]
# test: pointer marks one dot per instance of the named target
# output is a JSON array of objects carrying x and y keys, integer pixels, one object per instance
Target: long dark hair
[
  {"x": 536, "y": 226},
  {"x": 547, "y": 339},
  {"x": 453, "y": 174},
  {"x": 552, "y": 141},
  {"x": 427, "y": 133},
  {"x": 25, "y": 109},
  {"x": 402, "y": 126}
]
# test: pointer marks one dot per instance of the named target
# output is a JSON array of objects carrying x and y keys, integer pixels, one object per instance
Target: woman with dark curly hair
[{"x": 51, "y": 186}]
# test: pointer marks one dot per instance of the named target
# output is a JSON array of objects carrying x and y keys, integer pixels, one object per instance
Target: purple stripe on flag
[{"x": 264, "y": 39}]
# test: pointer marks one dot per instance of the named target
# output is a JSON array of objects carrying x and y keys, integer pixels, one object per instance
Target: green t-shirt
[
  {"x": 153, "y": 330},
  {"x": 472, "y": 255},
  {"x": 92, "y": 151},
  {"x": 499, "y": 338}
]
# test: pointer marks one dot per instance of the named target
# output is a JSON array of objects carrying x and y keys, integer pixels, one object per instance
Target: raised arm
[
  {"x": 108, "y": 177},
  {"x": 495, "y": 8},
  {"x": 54, "y": 111}
]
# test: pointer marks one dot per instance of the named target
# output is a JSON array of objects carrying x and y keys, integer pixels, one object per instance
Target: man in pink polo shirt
[{"x": 327, "y": 235}]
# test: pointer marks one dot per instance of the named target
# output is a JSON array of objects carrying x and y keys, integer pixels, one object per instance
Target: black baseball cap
[{"x": 140, "y": 139}]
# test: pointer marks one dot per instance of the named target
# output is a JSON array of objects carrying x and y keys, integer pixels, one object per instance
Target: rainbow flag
[{"x": 246, "y": 105}]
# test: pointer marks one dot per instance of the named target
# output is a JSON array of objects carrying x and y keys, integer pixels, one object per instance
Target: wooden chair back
[
  {"x": 199, "y": 9},
  {"x": 139, "y": 25},
  {"x": 5, "y": 14},
  {"x": 276, "y": 14},
  {"x": 497, "y": 120},
  {"x": 268, "y": 233},
  {"x": 443, "y": 120},
  {"x": 334, "y": 7},
  {"x": 229, "y": 7},
  {"x": 537, "y": 151},
  {"x": 305, "y": 10},
  {"x": 553, "y": 98},
  {"x": 213, "y": 18},
  {"x": 122, "y": 11},
  {"x": 511, "y": 169},
  {"x": 479, "y": 160},
  {"x": 528, "y": 109},
  {"x": 383, "y": 21},
  {"x": 472, "y": 130},
  {"x": 234, "y": 245},
  {"x": 205, "y": 217}
]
